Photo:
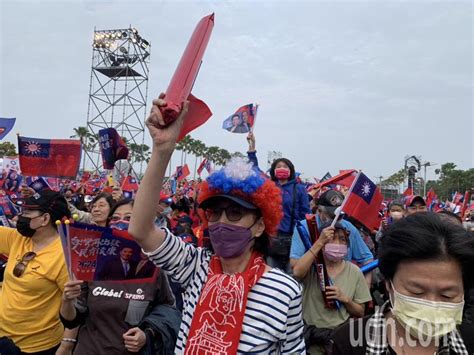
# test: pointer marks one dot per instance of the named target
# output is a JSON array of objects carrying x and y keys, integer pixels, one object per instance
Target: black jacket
[{"x": 163, "y": 322}]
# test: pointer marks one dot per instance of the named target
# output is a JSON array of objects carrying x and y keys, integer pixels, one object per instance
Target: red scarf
[{"x": 219, "y": 313}]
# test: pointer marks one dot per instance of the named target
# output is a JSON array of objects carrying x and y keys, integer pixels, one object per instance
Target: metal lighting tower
[{"x": 118, "y": 89}]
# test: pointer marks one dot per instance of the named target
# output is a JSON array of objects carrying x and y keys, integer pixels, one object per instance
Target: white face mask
[
  {"x": 396, "y": 215},
  {"x": 425, "y": 318}
]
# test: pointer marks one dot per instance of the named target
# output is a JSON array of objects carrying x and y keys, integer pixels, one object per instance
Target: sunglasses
[
  {"x": 20, "y": 266},
  {"x": 233, "y": 213}
]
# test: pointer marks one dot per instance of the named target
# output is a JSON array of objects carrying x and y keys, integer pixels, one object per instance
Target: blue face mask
[{"x": 120, "y": 225}]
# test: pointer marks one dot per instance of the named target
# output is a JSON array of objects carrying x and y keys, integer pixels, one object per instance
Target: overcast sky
[{"x": 341, "y": 85}]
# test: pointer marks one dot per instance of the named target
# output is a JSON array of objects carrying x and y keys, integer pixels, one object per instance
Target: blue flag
[
  {"x": 6, "y": 125},
  {"x": 112, "y": 147}
]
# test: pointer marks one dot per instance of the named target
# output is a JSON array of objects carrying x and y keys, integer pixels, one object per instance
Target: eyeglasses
[
  {"x": 20, "y": 266},
  {"x": 233, "y": 213}
]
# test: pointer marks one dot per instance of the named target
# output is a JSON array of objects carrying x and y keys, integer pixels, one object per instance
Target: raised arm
[
  {"x": 142, "y": 226},
  {"x": 252, "y": 152}
]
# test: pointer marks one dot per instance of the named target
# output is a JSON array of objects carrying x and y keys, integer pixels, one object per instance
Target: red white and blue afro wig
[{"x": 239, "y": 178}]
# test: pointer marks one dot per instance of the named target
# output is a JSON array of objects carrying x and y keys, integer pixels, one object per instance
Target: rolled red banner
[{"x": 182, "y": 82}]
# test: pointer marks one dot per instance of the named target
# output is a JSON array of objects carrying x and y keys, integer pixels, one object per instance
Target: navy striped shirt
[{"x": 273, "y": 317}]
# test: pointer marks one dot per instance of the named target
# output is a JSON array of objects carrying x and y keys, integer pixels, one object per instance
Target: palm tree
[
  {"x": 88, "y": 141},
  {"x": 139, "y": 153},
  {"x": 182, "y": 146},
  {"x": 199, "y": 149}
]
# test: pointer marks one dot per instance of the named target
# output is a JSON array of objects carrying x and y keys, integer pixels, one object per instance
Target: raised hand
[
  {"x": 164, "y": 138},
  {"x": 251, "y": 141},
  {"x": 327, "y": 234}
]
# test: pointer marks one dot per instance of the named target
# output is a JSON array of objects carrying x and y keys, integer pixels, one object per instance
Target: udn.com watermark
[{"x": 417, "y": 333}]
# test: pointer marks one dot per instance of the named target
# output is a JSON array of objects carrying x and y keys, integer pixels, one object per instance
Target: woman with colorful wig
[{"x": 233, "y": 301}]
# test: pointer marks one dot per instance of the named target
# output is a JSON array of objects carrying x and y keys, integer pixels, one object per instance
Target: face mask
[
  {"x": 229, "y": 241},
  {"x": 23, "y": 227},
  {"x": 282, "y": 173},
  {"x": 425, "y": 318},
  {"x": 335, "y": 252},
  {"x": 120, "y": 225},
  {"x": 396, "y": 215}
]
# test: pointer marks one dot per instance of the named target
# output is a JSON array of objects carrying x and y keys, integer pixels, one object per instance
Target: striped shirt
[{"x": 273, "y": 317}]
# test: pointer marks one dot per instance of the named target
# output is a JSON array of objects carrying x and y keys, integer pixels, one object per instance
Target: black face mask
[{"x": 23, "y": 226}]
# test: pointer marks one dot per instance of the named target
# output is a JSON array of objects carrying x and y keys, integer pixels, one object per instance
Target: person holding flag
[
  {"x": 34, "y": 278},
  {"x": 295, "y": 205},
  {"x": 120, "y": 325},
  {"x": 327, "y": 206},
  {"x": 230, "y": 291},
  {"x": 348, "y": 287}
]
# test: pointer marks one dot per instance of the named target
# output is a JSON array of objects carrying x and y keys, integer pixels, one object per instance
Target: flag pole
[
  {"x": 254, "y": 118},
  {"x": 339, "y": 209}
]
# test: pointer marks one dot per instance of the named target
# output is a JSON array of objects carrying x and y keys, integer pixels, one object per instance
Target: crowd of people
[{"x": 248, "y": 262}]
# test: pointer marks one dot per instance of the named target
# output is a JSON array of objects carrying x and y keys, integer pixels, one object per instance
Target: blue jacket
[{"x": 301, "y": 205}]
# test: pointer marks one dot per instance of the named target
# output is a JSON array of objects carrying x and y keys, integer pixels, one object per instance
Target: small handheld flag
[
  {"x": 112, "y": 147},
  {"x": 6, "y": 125},
  {"x": 242, "y": 121},
  {"x": 49, "y": 157}
]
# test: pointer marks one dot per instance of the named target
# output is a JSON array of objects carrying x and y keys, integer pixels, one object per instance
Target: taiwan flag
[
  {"x": 205, "y": 164},
  {"x": 182, "y": 172},
  {"x": 130, "y": 184},
  {"x": 363, "y": 202},
  {"x": 49, "y": 157},
  {"x": 37, "y": 184}
]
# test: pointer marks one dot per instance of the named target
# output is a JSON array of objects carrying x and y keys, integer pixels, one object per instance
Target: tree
[
  {"x": 88, "y": 140},
  {"x": 395, "y": 179},
  {"x": 138, "y": 153},
  {"x": 7, "y": 149},
  {"x": 451, "y": 180}
]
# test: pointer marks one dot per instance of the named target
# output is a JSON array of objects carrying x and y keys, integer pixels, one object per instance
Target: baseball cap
[
  {"x": 240, "y": 201},
  {"x": 331, "y": 200},
  {"x": 164, "y": 198},
  {"x": 185, "y": 219},
  {"x": 48, "y": 201},
  {"x": 412, "y": 199}
]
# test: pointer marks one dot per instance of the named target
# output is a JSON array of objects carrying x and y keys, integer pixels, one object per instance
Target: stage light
[
  {"x": 124, "y": 34},
  {"x": 134, "y": 30},
  {"x": 123, "y": 50},
  {"x": 144, "y": 43},
  {"x": 134, "y": 39}
]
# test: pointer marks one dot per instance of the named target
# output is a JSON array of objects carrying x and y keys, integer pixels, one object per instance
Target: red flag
[
  {"x": 345, "y": 178},
  {"x": 457, "y": 198},
  {"x": 198, "y": 114},
  {"x": 465, "y": 203},
  {"x": 49, "y": 157},
  {"x": 85, "y": 176},
  {"x": 363, "y": 202},
  {"x": 201, "y": 167},
  {"x": 182, "y": 172},
  {"x": 129, "y": 183},
  {"x": 430, "y": 197},
  {"x": 408, "y": 192}
]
